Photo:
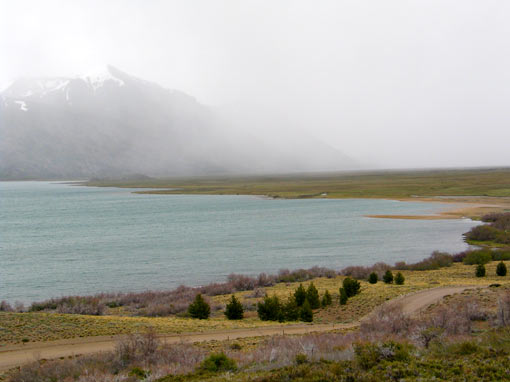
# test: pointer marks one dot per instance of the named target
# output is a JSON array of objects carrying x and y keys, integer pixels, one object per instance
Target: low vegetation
[
  {"x": 166, "y": 303},
  {"x": 495, "y": 233},
  {"x": 463, "y": 338},
  {"x": 382, "y": 184},
  {"x": 44, "y": 326}
]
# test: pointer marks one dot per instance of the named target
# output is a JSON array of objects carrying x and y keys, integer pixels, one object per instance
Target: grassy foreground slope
[{"x": 41, "y": 326}]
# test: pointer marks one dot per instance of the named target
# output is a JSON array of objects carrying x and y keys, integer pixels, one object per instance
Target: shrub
[
  {"x": 343, "y": 296},
  {"x": 369, "y": 355},
  {"x": 503, "y": 312},
  {"x": 399, "y": 279},
  {"x": 290, "y": 310},
  {"x": 270, "y": 309},
  {"x": 459, "y": 257},
  {"x": 199, "y": 308},
  {"x": 217, "y": 362},
  {"x": 373, "y": 278},
  {"x": 5, "y": 307},
  {"x": 482, "y": 233},
  {"x": 426, "y": 336},
  {"x": 362, "y": 273},
  {"x": 480, "y": 270},
  {"x": 435, "y": 261},
  {"x": 482, "y": 256},
  {"x": 301, "y": 359},
  {"x": 306, "y": 313},
  {"x": 312, "y": 295},
  {"x": 234, "y": 309},
  {"x": 326, "y": 299},
  {"x": 388, "y": 277},
  {"x": 139, "y": 373},
  {"x": 500, "y": 254},
  {"x": 501, "y": 269},
  {"x": 464, "y": 348},
  {"x": 351, "y": 286},
  {"x": 300, "y": 295}
]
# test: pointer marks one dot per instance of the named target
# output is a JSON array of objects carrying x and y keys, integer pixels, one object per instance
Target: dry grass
[{"x": 14, "y": 327}]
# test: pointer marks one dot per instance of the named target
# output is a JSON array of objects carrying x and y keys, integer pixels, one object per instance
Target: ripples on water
[{"x": 57, "y": 239}]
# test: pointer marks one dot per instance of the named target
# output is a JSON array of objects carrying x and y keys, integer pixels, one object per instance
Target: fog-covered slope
[{"x": 116, "y": 124}]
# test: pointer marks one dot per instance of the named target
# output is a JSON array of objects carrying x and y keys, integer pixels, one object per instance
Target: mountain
[{"x": 115, "y": 125}]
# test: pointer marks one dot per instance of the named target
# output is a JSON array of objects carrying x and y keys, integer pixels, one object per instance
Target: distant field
[
  {"x": 487, "y": 190},
  {"x": 382, "y": 184}
]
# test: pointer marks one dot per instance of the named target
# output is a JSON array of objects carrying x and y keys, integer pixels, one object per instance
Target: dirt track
[{"x": 16, "y": 355}]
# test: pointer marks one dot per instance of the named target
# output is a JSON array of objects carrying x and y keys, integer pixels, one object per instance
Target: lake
[{"x": 57, "y": 239}]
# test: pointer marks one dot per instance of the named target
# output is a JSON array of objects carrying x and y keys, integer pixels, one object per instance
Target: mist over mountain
[{"x": 115, "y": 125}]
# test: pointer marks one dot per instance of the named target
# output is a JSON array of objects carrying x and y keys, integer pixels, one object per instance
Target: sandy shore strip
[{"x": 456, "y": 207}]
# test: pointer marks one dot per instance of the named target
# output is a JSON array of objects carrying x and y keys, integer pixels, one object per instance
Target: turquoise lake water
[{"x": 57, "y": 239}]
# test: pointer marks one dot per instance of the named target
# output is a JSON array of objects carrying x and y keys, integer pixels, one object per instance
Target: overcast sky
[{"x": 390, "y": 83}]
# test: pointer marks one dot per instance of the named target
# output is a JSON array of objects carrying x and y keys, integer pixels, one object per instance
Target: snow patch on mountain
[{"x": 22, "y": 105}]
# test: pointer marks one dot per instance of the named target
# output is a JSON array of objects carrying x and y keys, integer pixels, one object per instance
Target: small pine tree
[
  {"x": 300, "y": 295},
  {"x": 501, "y": 269},
  {"x": 199, "y": 308},
  {"x": 373, "y": 278},
  {"x": 399, "y": 279},
  {"x": 326, "y": 299},
  {"x": 480, "y": 270},
  {"x": 388, "y": 277},
  {"x": 312, "y": 295},
  {"x": 270, "y": 309},
  {"x": 290, "y": 310},
  {"x": 306, "y": 312},
  {"x": 343, "y": 297},
  {"x": 234, "y": 309},
  {"x": 351, "y": 286}
]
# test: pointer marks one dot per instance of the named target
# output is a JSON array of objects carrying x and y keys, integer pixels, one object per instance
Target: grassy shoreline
[{"x": 473, "y": 192}]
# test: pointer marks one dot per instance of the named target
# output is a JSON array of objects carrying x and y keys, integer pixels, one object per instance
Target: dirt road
[{"x": 16, "y": 355}]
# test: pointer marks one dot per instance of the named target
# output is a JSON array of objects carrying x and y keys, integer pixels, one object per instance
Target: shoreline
[{"x": 460, "y": 207}]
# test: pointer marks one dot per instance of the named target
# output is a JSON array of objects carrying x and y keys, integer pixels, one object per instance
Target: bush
[
  {"x": 306, "y": 313},
  {"x": 482, "y": 256},
  {"x": 326, "y": 299},
  {"x": 373, "y": 278},
  {"x": 300, "y": 295},
  {"x": 217, "y": 362},
  {"x": 362, "y": 273},
  {"x": 435, "y": 261},
  {"x": 500, "y": 254},
  {"x": 501, "y": 269},
  {"x": 351, "y": 286},
  {"x": 399, "y": 279},
  {"x": 270, "y": 309},
  {"x": 464, "y": 348},
  {"x": 301, "y": 359},
  {"x": 388, "y": 277},
  {"x": 234, "y": 309},
  {"x": 480, "y": 270},
  {"x": 139, "y": 373},
  {"x": 369, "y": 355},
  {"x": 343, "y": 296},
  {"x": 312, "y": 295},
  {"x": 199, "y": 308}
]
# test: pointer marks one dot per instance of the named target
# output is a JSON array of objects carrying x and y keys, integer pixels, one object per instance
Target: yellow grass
[{"x": 14, "y": 327}]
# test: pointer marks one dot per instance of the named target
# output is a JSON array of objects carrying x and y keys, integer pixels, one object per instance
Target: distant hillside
[{"x": 117, "y": 125}]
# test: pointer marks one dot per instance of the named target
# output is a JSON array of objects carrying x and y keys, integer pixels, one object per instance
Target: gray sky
[{"x": 391, "y": 83}]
